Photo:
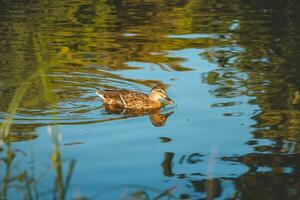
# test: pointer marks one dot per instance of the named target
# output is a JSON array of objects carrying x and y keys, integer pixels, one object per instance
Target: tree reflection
[
  {"x": 265, "y": 68},
  {"x": 207, "y": 187}
]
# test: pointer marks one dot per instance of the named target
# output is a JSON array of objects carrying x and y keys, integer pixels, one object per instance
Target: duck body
[
  {"x": 128, "y": 99},
  {"x": 135, "y": 100}
]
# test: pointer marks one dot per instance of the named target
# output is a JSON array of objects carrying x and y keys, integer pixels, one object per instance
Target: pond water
[{"x": 232, "y": 68}]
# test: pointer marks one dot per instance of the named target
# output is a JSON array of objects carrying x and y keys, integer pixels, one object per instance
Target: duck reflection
[{"x": 157, "y": 118}]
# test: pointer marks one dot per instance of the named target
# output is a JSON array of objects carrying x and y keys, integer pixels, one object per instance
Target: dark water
[{"x": 232, "y": 67}]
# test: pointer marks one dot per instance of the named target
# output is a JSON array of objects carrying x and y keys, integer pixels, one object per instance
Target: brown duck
[{"x": 136, "y": 100}]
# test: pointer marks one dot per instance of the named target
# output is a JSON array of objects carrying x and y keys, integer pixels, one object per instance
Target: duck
[{"x": 129, "y": 99}]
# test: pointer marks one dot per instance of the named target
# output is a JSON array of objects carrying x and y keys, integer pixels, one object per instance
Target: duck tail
[{"x": 100, "y": 94}]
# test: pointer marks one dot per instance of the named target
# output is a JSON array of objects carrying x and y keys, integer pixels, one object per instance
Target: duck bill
[{"x": 169, "y": 101}]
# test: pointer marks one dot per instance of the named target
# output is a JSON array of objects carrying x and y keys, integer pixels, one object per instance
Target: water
[{"x": 231, "y": 67}]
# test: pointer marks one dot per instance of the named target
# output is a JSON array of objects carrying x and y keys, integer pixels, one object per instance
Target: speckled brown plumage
[
  {"x": 128, "y": 99},
  {"x": 136, "y": 100}
]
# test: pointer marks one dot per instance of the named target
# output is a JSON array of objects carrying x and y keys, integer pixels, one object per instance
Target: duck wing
[
  {"x": 133, "y": 99},
  {"x": 124, "y": 98},
  {"x": 110, "y": 96}
]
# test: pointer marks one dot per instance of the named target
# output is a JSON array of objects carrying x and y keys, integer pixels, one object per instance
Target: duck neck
[{"x": 155, "y": 104}]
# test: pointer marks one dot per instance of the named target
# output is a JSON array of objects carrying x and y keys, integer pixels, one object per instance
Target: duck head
[{"x": 159, "y": 94}]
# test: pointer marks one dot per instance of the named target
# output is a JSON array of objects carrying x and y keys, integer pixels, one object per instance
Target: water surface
[{"x": 231, "y": 67}]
